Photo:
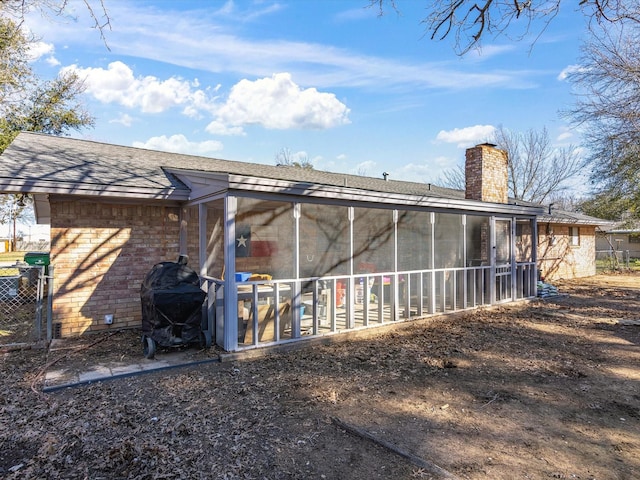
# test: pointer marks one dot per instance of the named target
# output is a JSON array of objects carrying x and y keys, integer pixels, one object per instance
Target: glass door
[{"x": 503, "y": 259}]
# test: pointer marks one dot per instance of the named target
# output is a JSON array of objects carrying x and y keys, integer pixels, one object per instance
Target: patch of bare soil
[{"x": 546, "y": 389}]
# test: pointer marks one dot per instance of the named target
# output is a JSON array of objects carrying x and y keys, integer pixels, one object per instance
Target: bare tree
[
  {"x": 536, "y": 169},
  {"x": 538, "y": 172},
  {"x": 452, "y": 178},
  {"x": 607, "y": 111},
  {"x": 17, "y": 9},
  {"x": 299, "y": 160},
  {"x": 470, "y": 21}
]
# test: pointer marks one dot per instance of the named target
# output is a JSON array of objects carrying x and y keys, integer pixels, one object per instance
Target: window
[
  {"x": 634, "y": 238},
  {"x": 574, "y": 236}
]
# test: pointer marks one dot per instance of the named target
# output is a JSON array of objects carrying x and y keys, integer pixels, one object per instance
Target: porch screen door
[{"x": 503, "y": 259}]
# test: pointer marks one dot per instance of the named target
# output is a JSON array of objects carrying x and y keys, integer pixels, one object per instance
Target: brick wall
[
  {"x": 558, "y": 259},
  {"x": 101, "y": 253},
  {"x": 486, "y": 174}
]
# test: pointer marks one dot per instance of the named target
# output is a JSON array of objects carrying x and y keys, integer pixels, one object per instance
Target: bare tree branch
[
  {"x": 18, "y": 9},
  {"x": 471, "y": 21},
  {"x": 607, "y": 110}
]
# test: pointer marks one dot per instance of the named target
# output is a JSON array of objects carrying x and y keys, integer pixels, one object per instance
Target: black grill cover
[{"x": 172, "y": 301}]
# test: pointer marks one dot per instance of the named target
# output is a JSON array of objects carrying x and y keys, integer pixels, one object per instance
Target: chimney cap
[{"x": 487, "y": 144}]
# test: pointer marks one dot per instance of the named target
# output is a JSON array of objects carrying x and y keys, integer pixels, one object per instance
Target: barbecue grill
[{"x": 172, "y": 302}]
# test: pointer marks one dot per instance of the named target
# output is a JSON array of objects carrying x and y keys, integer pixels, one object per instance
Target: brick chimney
[{"x": 486, "y": 174}]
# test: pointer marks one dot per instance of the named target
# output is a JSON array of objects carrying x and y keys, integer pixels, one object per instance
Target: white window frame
[{"x": 574, "y": 236}]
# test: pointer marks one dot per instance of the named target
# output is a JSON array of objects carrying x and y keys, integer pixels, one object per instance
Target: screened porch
[{"x": 277, "y": 271}]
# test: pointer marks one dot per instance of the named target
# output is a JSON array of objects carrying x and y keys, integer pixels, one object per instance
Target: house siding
[
  {"x": 607, "y": 242},
  {"x": 101, "y": 254},
  {"x": 558, "y": 259}
]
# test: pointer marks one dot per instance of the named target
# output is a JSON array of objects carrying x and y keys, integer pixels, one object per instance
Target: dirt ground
[{"x": 540, "y": 390}]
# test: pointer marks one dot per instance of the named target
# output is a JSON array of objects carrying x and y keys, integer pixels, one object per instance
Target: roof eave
[
  {"x": 91, "y": 189},
  {"x": 240, "y": 183}
]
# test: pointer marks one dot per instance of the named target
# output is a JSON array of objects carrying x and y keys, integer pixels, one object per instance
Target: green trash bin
[{"x": 38, "y": 259}]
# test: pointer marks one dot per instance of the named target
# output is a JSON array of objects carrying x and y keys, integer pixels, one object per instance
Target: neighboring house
[
  {"x": 620, "y": 238},
  {"x": 567, "y": 244},
  {"x": 323, "y": 252}
]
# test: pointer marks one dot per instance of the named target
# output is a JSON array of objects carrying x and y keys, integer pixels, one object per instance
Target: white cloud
[
  {"x": 210, "y": 40},
  {"x": 367, "y": 169},
  {"x": 279, "y": 103},
  {"x": 564, "y": 74},
  {"x": 180, "y": 144},
  {"x": 38, "y": 50},
  {"x": 567, "y": 136},
  {"x": 123, "y": 119},
  {"x": 466, "y": 137},
  {"x": 117, "y": 84},
  {"x": 274, "y": 102},
  {"x": 413, "y": 172},
  {"x": 430, "y": 170},
  {"x": 216, "y": 127},
  {"x": 53, "y": 61},
  {"x": 486, "y": 52},
  {"x": 365, "y": 12},
  {"x": 564, "y": 136}
]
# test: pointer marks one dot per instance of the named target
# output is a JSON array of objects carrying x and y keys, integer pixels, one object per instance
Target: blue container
[{"x": 242, "y": 276}]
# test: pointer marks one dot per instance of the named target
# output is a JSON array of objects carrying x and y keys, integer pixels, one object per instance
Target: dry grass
[{"x": 537, "y": 391}]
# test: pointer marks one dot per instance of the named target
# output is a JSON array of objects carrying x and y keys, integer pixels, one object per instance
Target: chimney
[{"x": 486, "y": 174}]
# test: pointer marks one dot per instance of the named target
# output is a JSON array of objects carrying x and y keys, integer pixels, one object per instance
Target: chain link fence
[
  {"x": 611, "y": 260},
  {"x": 22, "y": 304}
]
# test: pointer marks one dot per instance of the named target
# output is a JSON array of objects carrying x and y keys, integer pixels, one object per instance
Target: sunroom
[{"x": 286, "y": 260}]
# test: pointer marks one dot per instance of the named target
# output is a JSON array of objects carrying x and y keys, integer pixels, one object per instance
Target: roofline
[
  {"x": 369, "y": 196},
  {"x": 545, "y": 218},
  {"x": 241, "y": 183},
  {"x": 87, "y": 189},
  {"x": 244, "y": 185}
]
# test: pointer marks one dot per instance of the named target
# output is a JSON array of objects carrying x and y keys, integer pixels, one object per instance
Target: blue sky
[{"x": 329, "y": 79}]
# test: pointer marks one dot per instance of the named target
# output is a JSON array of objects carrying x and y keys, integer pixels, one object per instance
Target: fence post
[
  {"x": 40, "y": 292},
  {"x": 50, "y": 304}
]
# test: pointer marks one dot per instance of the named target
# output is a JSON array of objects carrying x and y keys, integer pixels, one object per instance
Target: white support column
[
  {"x": 514, "y": 266},
  {"x": 296, "y": 239},
  {"x": 534, "y": 254},
  {"x": 396, "y": 292},
  {"x": 296, "y": 288},
  {"x": 202, "y": 239},
  {"x": 492, "y": 276},
  {"x": 432, "y": 219},
  {"x": 230, "y": 320},
  {"x": 202, "y": 266},
  {"x": 351, "y": 294},
  {"x": 464, "y": 262}
]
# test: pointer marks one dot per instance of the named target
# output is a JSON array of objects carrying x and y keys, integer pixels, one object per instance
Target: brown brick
[{"x": 486, "y": 174}]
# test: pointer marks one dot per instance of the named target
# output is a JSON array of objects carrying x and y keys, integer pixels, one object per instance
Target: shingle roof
[
  {"x": 623, "y": 227},
  {"x": 573, "y": 218},
  {"x": 38, "y": 159},
  {"x": 46, "y": 164}
]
